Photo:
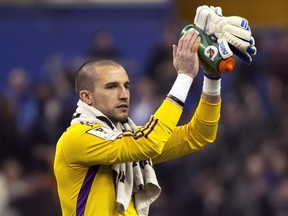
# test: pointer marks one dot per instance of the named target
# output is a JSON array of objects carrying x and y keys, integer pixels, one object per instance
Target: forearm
[
  {"x": 208, "y": 109},
  {"x": 206, "y": 119},
  {"x": 211, "y": 99},
  {"x": 200, "y": 131}
]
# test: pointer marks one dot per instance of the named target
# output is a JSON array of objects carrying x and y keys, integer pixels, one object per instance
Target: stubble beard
[
  {"x": 118, "y": 117},
  {"x": 115, "y": 119}
]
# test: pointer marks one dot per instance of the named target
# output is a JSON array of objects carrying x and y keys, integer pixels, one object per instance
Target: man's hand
[
  {"x": 209, "y": 71},
  {"x": 185, "y": 56}
]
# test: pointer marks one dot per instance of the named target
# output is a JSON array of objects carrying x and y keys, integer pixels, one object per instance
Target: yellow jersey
[{"x": 85, "y": 153}]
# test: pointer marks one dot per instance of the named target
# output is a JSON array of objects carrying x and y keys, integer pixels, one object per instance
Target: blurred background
[{"x": 43, "y": 43}]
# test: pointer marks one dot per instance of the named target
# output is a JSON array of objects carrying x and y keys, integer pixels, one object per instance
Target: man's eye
[
  {"x": 127, "y": 87},
  {"x": 111, "y": 87}
]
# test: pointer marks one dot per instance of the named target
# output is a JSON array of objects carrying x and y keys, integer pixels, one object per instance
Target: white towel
[{"x": 137, "y": 177}]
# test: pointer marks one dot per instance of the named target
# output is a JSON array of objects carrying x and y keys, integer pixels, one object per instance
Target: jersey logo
[{"x": 104, "y": 133}]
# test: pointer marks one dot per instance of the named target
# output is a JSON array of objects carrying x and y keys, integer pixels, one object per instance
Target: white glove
[{"x": 234, "y": 29}]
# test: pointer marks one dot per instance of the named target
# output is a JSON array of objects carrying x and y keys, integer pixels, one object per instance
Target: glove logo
[
  {"x": 211, "y": 52},
  {"x": 223, "y": 48}
]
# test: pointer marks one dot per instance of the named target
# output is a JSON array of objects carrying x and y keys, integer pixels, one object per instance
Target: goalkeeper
[{"x": 103, "y": 162}]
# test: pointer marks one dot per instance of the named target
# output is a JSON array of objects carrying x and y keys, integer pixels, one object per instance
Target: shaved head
[{"x": 86, "y": 75}]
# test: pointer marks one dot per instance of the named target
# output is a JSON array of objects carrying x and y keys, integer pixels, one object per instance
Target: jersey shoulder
[{"x": 93, "y": 129}]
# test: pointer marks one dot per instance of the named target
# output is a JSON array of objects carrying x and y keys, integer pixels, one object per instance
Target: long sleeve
[{"x": 200, "y": 131}]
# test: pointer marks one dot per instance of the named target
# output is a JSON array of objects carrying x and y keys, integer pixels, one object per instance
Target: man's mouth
[{"x": 123, "y": 106}]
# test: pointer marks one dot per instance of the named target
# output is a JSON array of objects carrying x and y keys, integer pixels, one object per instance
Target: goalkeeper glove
[{"x": 233, "y": 33}]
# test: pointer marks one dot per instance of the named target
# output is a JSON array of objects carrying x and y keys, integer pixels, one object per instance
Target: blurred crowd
[{"x": 244, "y": 173}]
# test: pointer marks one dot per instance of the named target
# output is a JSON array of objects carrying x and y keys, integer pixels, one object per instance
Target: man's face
[{"x": 111, "y": 94}]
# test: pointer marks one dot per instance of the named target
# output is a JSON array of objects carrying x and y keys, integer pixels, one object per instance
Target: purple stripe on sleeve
[
  {"x": 142, "y": 132},
  {"x": 85, "y": 189},
  {"x": 152, "y": 128},
  {"x": 139, "y": 133},
  {"x": 145, "y": 128}
]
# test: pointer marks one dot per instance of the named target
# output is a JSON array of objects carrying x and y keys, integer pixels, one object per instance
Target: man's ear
[{"x": 85, "y": 96}]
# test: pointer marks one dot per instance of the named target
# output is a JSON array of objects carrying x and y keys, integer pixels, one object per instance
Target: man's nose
[{"x": 123, "y": 92}]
